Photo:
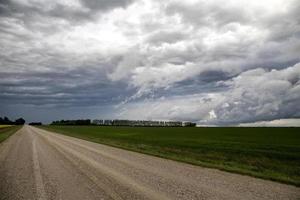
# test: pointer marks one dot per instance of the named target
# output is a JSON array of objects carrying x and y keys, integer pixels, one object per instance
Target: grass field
[
  {"x": 7, "y": 130},
  {"x": 269, "y": 153}
]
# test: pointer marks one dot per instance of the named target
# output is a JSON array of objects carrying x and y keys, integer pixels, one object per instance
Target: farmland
[
  {"x": 4, "y": 126},
  {"x": 269, "y": 153},
  {"x": 7, "y": 130}
]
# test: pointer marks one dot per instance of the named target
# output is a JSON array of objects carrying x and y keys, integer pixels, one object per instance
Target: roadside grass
[
  {"x": 268, "y": 153},
  {"x": 7, "y": 130}
]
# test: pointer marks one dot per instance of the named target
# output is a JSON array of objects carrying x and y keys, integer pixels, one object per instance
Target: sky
[{"x": 218, "y": 62}]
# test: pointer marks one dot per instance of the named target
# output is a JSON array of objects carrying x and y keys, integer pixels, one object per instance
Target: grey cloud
[
  {"x": 30, "y": 12},
  {"x": 171, "y": 60},
  {"x": 84, "y": 12},
  {"x": 105, "y": 4},
  {"x": 285, "y": 25},
  {"x": 166, "y": 37},
  {"x": 258, "y": 95},
  {"x": 282, "y": 30},
  {"x": 68, "y": 88},
  {"x": 204, "y": 13}
]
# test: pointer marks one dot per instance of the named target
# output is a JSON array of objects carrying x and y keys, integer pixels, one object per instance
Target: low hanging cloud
[
  {"x": 212, "y": 62},
  {"x": 254, "y": 95}
]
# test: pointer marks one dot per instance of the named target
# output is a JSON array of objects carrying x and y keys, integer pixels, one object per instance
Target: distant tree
[
  {"x": 6, "y": 120},
  {"x": 20, "y": 121},
  {"x": 72, "y": 122},
  {"x": 3, "y": 120}
]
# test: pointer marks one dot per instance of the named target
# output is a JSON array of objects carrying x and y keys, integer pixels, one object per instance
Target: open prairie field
[
  {"x": 269, "y": 153},
  {"x": 7, "y": 130}
]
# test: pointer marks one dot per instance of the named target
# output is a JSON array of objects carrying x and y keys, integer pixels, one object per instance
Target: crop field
[
  {"x": 7, "y": 130},
  {"x": 269, "y": 153},
  {"x": 5, "y": 126}
]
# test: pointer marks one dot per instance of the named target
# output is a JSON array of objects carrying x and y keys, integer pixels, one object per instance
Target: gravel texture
[{"x": 38, "y": 164}]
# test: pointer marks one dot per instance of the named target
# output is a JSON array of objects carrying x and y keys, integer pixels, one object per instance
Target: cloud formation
[
  {"x": 254, "y": 95},
  {"x": 210, "y": 62}
]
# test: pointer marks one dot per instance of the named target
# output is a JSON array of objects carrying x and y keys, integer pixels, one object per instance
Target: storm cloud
[{"x": 211, "y": 62}]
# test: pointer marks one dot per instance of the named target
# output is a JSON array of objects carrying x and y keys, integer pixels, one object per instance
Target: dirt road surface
[{"x": 38, "y": 164}]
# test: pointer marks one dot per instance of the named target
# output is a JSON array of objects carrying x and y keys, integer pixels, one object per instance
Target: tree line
[
  {"x": 7, "y": 121},
  {"x": 117, "y": 122},
  {"x": 72, "y": 122}
]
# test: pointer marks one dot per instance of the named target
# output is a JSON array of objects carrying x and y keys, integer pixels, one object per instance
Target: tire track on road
[{"x": 40, "y": 189}]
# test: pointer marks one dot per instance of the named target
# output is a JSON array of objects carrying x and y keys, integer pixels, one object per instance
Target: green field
[
  {"x": 7, "y": 130},
  {"x": 269, "y": 153}
]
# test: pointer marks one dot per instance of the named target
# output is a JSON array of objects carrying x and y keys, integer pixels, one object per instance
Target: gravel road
[{"x": 38, "y": 164}]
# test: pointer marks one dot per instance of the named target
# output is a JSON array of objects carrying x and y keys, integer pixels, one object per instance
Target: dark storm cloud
[{"x": 68, "y": 88}]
